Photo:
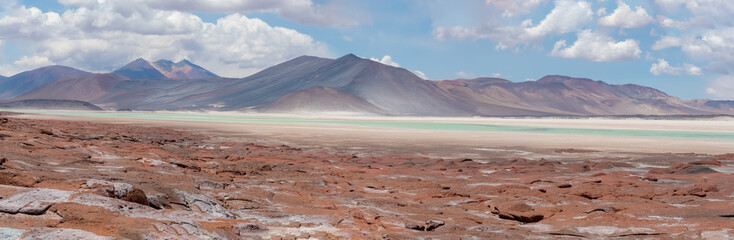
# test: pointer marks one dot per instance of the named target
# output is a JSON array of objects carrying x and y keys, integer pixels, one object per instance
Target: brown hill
[
  {"x": 562, "y": 95},
  {"x": 89, "y": 88},
  {"x": 26, "y": 81}
]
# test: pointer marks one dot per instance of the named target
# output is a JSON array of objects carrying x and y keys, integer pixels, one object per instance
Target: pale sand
[{"x": 452, "y": 142}]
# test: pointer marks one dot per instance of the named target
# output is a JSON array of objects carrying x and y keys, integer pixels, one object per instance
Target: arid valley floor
[{"x": 65, "y": 177}]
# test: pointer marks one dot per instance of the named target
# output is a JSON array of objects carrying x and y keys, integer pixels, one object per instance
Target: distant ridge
[
  {"x": 85, "y": 88},
  {"x": 23, "y": 82},
  {"x": 51, "y": 104},
  {"x": 355, "y": 85}
]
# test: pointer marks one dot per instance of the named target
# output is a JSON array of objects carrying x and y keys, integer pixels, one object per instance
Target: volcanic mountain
[
  {"x": 163, "y": 69},
  {"x": 26, "y": 81},
  {"x": 140, "y": 69},
  {"x": 182, "y": 70},
  {"x": 395, "y": 90}
]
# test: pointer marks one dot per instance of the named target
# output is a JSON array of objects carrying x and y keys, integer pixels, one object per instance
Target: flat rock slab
[
  {"x": 11, "y": 233},
  {"x": 53, "y": 233},
  {"x": 34, "y": 201},
  {"x": 204, "y": 204},
  {"x": 134, "y": 210}
]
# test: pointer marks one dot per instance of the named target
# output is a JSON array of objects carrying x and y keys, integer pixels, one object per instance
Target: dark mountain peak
[
  {"x": 181, "y": 70},
  {"x": 167, "y": 65},
  {"x": 163, "y": 65},
  {"x": 139, "y": 63},
  {"x": 164, "y": 61},
  {"x": 350, "y": 58},
  {"x": 140, "y": 69}
]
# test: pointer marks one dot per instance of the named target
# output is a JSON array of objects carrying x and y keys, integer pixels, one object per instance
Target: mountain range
[{"x": 348, "y": 84}]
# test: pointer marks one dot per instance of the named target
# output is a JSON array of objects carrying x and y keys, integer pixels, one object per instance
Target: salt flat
[{"x": 444, "y": 135}]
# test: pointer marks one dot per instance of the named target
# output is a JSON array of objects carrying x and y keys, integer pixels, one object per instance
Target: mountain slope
[
  {"x": 354, "y": 84},
  {"x": 29, "y": 80},
  {"x": 87, "y": 88},
  {"x": 561, "y": 95},
  {"x": 392, "y": 89},
  {"x": 320, "y": 100}
]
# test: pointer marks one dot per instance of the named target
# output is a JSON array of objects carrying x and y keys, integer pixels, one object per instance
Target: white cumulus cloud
[
  {"x": 598, "y": 48},
  {"x": 420, "y": 74},
  {"x": 703, "y": 13},
  {"x": 302, "y": 11},
  {"x": 466, "y": 75},
  {"x": 104, "y": 35},
  {"x": 387, "y": 60},
  {"x": 713, "y": 46},
  {"x": 624, "y": 17},
  {"x": 515, "y": 7},
  {"x": 663, "y": 67},
  {"x": 722, "y": 87},
  {"x": 566, "y": 16}
]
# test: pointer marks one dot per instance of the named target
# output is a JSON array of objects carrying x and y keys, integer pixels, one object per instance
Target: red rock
[
  {"x": 711, "y": 162},
  {"x": 319, "y": 192},
  {"x": 517, "y": 211}
]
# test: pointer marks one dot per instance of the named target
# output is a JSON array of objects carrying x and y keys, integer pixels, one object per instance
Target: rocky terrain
[{"x": 77, "y": 180}]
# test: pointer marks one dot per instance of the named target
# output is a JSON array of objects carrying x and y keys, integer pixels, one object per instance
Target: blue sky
[{"x": 679, "y": 46}]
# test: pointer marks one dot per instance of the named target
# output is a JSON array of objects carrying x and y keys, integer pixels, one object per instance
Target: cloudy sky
[{"x": 683, "y": 47}]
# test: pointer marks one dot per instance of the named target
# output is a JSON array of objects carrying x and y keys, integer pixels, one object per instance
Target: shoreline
[{"x": 333, "y": 135}]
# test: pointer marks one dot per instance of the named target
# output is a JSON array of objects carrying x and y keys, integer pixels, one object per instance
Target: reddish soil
[{"x": 90, "y": 181}]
